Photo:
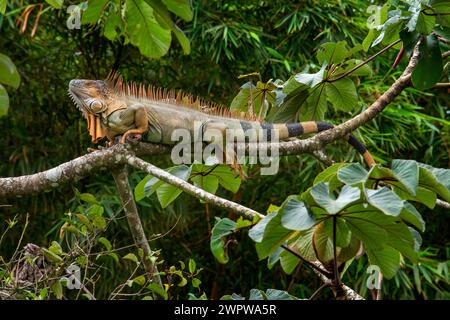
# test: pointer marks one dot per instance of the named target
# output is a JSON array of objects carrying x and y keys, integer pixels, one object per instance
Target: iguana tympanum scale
[{"x": 113, "y": 107}]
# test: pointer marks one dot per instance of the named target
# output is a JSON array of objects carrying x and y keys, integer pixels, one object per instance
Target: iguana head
[{"x": 93, "y": 97}]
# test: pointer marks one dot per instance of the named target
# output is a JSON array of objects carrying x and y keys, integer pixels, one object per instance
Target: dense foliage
[{"x": 284, "y": 61}]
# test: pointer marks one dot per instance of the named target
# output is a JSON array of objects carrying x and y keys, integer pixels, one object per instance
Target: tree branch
[{"x": 126, "y": 195}]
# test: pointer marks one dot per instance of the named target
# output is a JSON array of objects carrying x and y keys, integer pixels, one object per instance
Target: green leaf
[
  {"x": 322, "y": 243},
  {"x": 51, "y": 256},
  {"x": 113, "y": 22},
  {"x": 429, "y": 67},
  {"x": 139, "y": 190},
  {"x": 144, "y": 31},
  {"x": 409, "y": 40},
  {"x": 316, "y": 104},
  {"x": 343, "y": 234},
  {"x": 3, "y": 4},
  {"x": 181, "y": 8},
  {"x": 436, "y": 180},
  {"x": 385, "y": 200},
  {"x": 87, "y": 197},
  {"x": 167, "y": 193},
  {"x": 369, "y": 232},
  {"x": 164, "y": 19},
  {"x": 94, "y": 11},
  {"x": 387, "y": 259},
  {"x": 196, "y": 283},
  {"x": 227, "y": 178},
  {"x": 55, "y": 248},
  {"x": 156, "y": 288},
  {"x": 342, "y": 94},
  {"x": 352, "y": 174},
  {"x": 410, "y": 215},
  {"x": 56, "y": 288},
  {"x": 55, "y": 3},
  {"x": 330, "y": 175},
  {"x": 423, "y": 195},
  {"x": 222, "y": 228},
  {"x": 332, "y": 52},
  {"x": 347, "y": 196},
  {"x": 105, "y": 242},
  {"x": 114, "y": 256},
  {"x": 140, "y": 280},
  {"x": 257, "y": 232},
  {"x": 425, "y": 23},
  {"x": 288, "y": 261},
  {"x": 209, "y": 182},
  {"x": 295, "y": 215},
  {"x": 289, "y": 109},
  {"x": 407, "y": 172},
  {"x": 274, "y": 235},
  {"x": 274, "y": 294},
  {"x": 192, "y": 265},
  {"x": 364, "y": 70},
  {"x": 304, "y": 244},
  {"x": 132, "y": 257},
  {"x": 310, "y": 79},
  {"x": 440, "y": 7},
  {"x": 4, "y": 101},
  {"x": 8, "y": 72}
]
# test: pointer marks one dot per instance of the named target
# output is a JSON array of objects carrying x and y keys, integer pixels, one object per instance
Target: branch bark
[{"x": 126, "y": 195}]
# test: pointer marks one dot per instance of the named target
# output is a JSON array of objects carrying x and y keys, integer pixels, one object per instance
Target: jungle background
[{"x": 276, "y": 39}]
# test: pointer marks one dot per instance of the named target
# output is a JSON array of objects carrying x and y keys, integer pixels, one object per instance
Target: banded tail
[{"x": 291, "y": 130}]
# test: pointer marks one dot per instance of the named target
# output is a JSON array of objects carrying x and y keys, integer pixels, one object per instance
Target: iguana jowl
[{"x": 114, "y": 108}]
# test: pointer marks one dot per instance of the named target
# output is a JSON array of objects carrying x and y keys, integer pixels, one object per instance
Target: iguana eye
[{"x": 96, "y": 106}]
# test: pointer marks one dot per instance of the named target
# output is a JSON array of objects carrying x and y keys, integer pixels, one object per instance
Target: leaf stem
[
  {"x": 361, "y": 64},
  {"x": 337, "y": 280}
]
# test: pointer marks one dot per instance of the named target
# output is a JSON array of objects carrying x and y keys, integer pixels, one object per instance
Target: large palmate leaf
[
  {"x": 385, "y": 200},
  {"x": 347, "y": 196},
  {"x": 295, "y": 215},
  {"x": 366, "y": 225},
  {"x": 353, "y": 173},
  {"x": 387, "y": 259},
  {"x": 436, "y": 180},
  {"x": 269, "y": 234},
  {"x": 144, "y": 31}
]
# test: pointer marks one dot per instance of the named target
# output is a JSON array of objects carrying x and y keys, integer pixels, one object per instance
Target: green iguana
[{"x": 113, "y": 107}]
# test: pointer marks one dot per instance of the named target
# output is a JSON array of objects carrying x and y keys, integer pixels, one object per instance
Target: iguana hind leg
[{"x": 229, "y": 155}]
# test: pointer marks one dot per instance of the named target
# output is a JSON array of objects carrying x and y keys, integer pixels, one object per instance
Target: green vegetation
[{"x": 284, "y": 61}]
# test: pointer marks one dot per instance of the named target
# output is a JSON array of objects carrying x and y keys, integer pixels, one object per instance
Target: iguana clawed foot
[{"x": 133, "y": 135}]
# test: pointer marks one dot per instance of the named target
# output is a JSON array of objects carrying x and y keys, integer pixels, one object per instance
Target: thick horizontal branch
[{"x": 74, "y": 170}]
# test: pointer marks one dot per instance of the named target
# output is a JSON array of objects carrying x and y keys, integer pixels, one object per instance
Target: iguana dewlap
[{"x": 114, "y": 108}]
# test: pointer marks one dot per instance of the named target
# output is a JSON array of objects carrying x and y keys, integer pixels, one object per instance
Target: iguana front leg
[{"x": 140, "y": 121}]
